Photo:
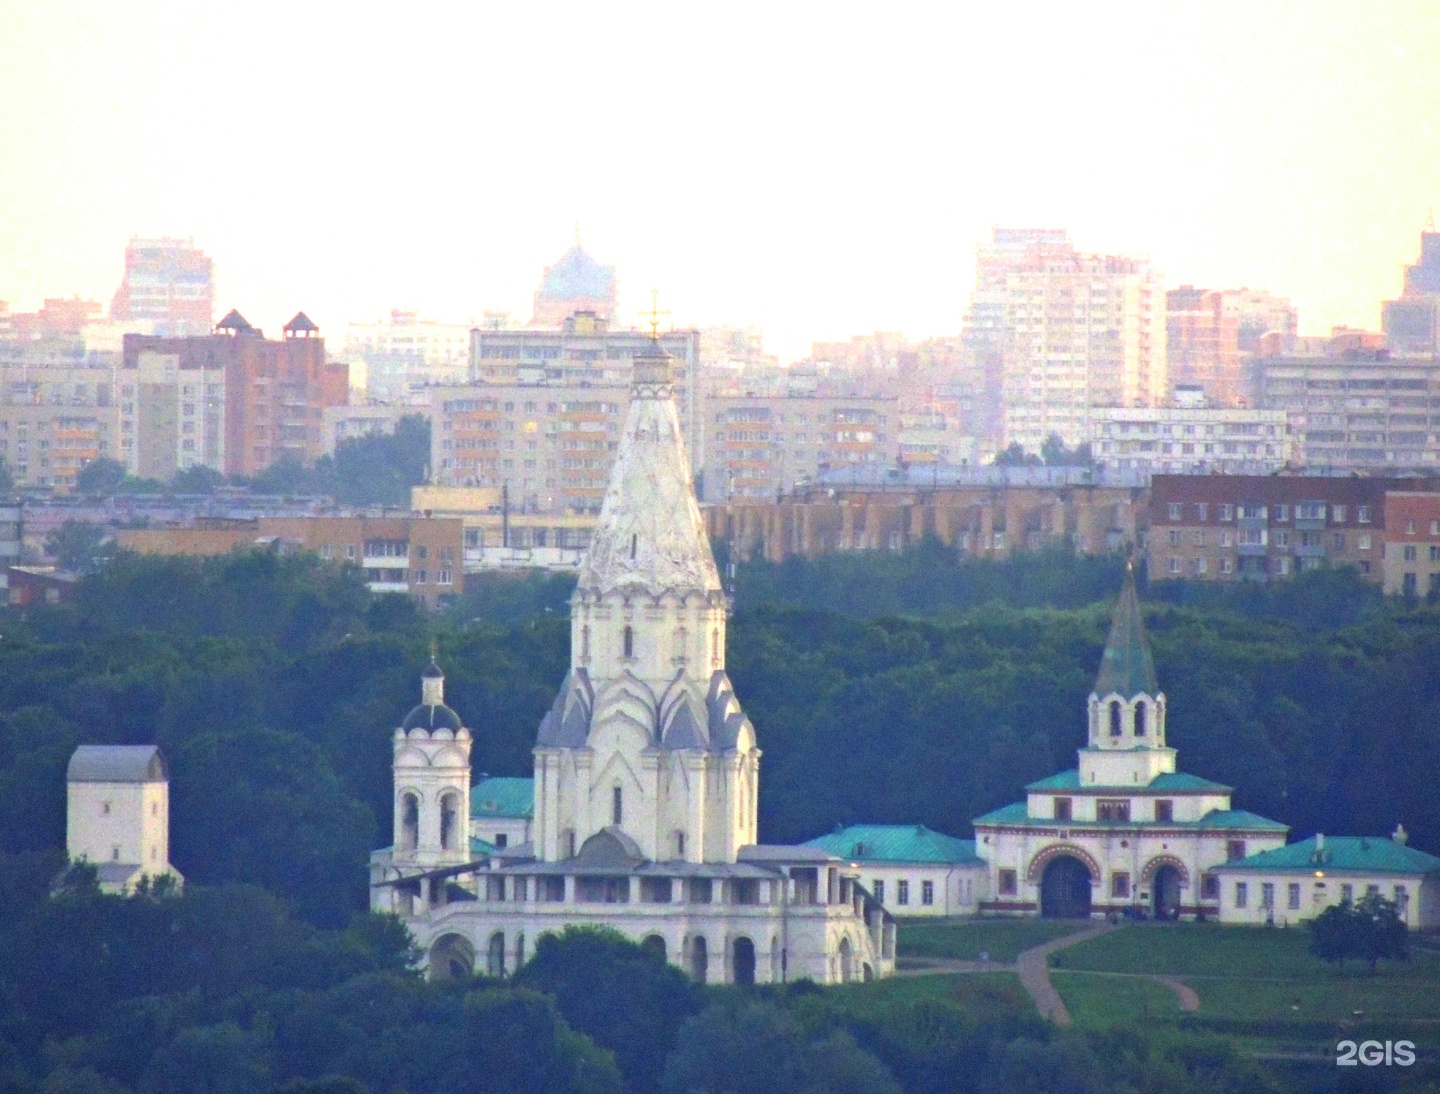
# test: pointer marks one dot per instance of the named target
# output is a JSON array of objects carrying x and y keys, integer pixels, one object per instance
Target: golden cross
[{"x": 654, "y": 313}]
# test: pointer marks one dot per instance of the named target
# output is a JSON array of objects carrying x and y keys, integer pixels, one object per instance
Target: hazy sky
[{"x": 818, "y": 171}]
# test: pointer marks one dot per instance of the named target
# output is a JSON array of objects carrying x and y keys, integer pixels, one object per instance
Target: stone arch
[
  {"x": 742, "y": 957},
  {"x": 452, "y": 957},
  {"x": 699, "y": 958},
  {"x": 1055, "y": 850},
  {"x": 847, "y": 961},
  {"x": 409, "y": 827},
  {"x": 1148, "y": 873},
  {"x": 449, "y": 820},
  {"x": 654, "y": 944}
]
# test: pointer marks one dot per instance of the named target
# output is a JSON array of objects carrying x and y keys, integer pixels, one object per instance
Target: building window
[
  {"x": 1174, "y": 510},
  {"x": 1282, "y": 539},
  {"x": 1337, "y": 541},
  {"x": 927, "y": 893},
  {"x": 1117, "y": 810},
  {"x": 501, "y": 839},
  {"x": 105, "y": 808},
  {"x": 1115, "y": 717},
  {"x": 1210, "y": 887},
  {"x": 1227, "y": 566},
  {"x": 1363, "y": 542},
  {"x": 628, "y": 642},
  {"x": 1362, "y": 514},
  {"x": 1315, "y": 510},
  {"x": 1292, "y": 895},
  {"x": 1409, "y": 527},
  {"x": 1411, "y": 553},
  {"x": 1174, "y": 565},
  {"x": 1062, "y": 809},
  {"x": 1202, "y": 511},
  {"x": 1174, "y": 537},
  {"x": 1282, "y": 512},
  {"x": 617, "y": 811},
  {"x": 902, "y": 892},
  {"x": 1199, "y": 537},
  {"x": 878, "y": 888},
  {"x": 1337, "y": 514},
  {"x": 1120, "y": 885},
  {"x": 1242, "y": 894},
  {"x": 1139, "y": 719},
  {"x": 1227, "y": 512},
  {"x": 1165, "y": 810},
  {"x": 1409, "y": 585},
  {"x": 1234, "y": 850},
  {"x": 1267, "y": 895},
  {"x": 1347, "y": 894},
  {"x": 1007, "y": 882}
]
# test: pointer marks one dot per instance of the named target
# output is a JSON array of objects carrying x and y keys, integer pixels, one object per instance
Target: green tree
[
  {"x": 1369, "y": 930},
  {"x": 1016, "y": 456},
  {"x": 197, "y": 479},
  {"x": 101, "y": 477},
  {"x": 79, "y": 547},
  {"x": 628, "y": 998}
]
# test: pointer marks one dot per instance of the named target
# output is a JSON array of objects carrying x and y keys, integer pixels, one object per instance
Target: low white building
[
  {"x": 910, "y": 869},
  {"x": 1297, "y": 882},
  {"x": 646, "y": 775},
  {"x": 118, "y": 814},
  {"x": 501, "y": 812},
  {"x": 1190, "y": 440},
  {"x": 1124, "y": 832}
]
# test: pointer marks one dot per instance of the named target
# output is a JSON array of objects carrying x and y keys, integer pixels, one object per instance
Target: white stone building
[
  {"x": 1191, "y": 440},
  {"x": 912, "y": 870},
  {"x": 1299, "y": 881},
  {"x": 1124, "y": 832},
  {"x": 646, "y": 774},
  {"x": 118, "y": 814}
]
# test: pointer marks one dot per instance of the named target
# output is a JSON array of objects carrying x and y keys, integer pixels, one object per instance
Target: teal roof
[
  {"x": 1342, "y": 854},
  {"x": 480, "y": 847},
  {"x": 1018, "y": 813},
  {"x": 503, "y": 797},
  {"x": 578, "y": 276},
  {"x": 896, "y": 843},
  {"x": 1171, "y": 781},
  {"x": 1126, "y": 667}
]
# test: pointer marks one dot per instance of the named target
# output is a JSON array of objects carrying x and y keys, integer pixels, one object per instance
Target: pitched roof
[
  {"x": 577, "y": 276},
  {"x": 503, "y": 797},
  {"x": 1126, "y": 667},
  {"x": 301, "y": 322},
  {"x": 117, "y": 764},
  {"x": 649, "y": 535},
  {"x": 896, "y": 843},
  {"x": 1171, "y": 781},
  {"x": 1217, "y": 819},
  {"x": 431, "y": 716},
  {"x": 234, "y": 321},
  {"x": 1342, "y": 854}
]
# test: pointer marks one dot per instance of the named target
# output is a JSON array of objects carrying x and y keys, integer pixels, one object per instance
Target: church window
[
  {"x": 1113, "y": 810},
  {"x": 1115, "y": 718},
  {"x": 715, "y": 647},
  {"x": 585, "y": 644},
  {"x": 105, "y": 808},
  {"x": 628, "y": 642},
  {"x": 495, "y": 957},
  {"x": 447, "y": 822},
  {"x": 702, "y": 890},
  {"x": 878, "y": 888},
  {"x": 679, "y": 844},
  {"x": 927, "y": 892},
  {"x": 1062, "y": 809},
  {"x": 1234, "y": 849},
  {"x": 679, "y": 643},
  {"x": 1120, "y": 885},
  {"x": 1007, "y": 882},
  {"x": 501, "y": 839},
  {"x": 1210, "y": 887},
  {"x": 1242, "y": 894},
  {"x": 1139, "y": 719},
  {"x": 902, "y": 892},
  {"x": 409, "y": 822},
  {"x": 570, "y": 843},
  {"x": 1165, "y": 810},
  {"x": 115, "y": 853},
  {"x": 617, "y": 805},
  {"x": 634, "y": 545}
]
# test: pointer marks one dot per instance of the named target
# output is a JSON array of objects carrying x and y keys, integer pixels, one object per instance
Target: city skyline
[{"x": 810, "y": 174}]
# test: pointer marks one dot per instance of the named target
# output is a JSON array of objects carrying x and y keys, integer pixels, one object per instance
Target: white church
[{"x": 646, "y": 776}]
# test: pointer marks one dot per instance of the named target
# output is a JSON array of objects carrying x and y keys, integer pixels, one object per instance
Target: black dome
[
  {"x": 431, "y": 672},
  {"x": 428, "y": 717}
]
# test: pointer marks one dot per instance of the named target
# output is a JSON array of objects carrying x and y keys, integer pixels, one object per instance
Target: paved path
[
  {"x": 1034, "y": 969},
  {"x": 1189, "y": 998}
]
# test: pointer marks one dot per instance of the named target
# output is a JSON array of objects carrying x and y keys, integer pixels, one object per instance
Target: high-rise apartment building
[
  {"x": 56, "y": 418},
  {"x": 1412, "y": 323},
  {"x": 1075, "y": 331},
  {"x": 1203, "y": 345},
  {"x": 168, "y": 283},
  {"x": 576, "y": 282},
  {"x": 233, "y": 400},
  {"x": 405, "y": 353},
  {"x": 1259, "y": 315}
]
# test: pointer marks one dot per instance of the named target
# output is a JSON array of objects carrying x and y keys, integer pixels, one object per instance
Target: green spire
[{"x": 1126, "y": 668}]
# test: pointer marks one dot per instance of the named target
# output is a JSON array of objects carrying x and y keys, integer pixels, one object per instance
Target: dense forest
[{"x": 887, "y": 688}]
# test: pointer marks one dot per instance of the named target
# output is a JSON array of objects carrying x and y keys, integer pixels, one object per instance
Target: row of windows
[
  {"x": 1115, "y": 809},
  {"x": 1305, "y": 510},
  {"x": 1292, "y": 895},
  {"x": 902, "y": 891},
  {"x": 1260, "y": 537}
]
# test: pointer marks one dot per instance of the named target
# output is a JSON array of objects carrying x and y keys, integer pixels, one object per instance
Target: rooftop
[
  {"x": 1169, "y": 782},
  {"x": 896, "y": 843},
  {"x": 577, "y": 276},
  {"x": 1126, "y": 667},
  {"x": 1342, "y": 854},
  {"x": 116, "y": 764},
  {"x": 503, "y": 797},
  {"x": 1238, "y": 819}
]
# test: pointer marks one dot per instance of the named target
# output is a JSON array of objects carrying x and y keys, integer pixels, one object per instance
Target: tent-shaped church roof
[{"x": 1126, "y": 668}]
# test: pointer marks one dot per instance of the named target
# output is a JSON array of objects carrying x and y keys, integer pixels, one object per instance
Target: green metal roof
[
  {"x": 1126, "y": 667},
  {"x": 479, "y": 847},
  {"x": 1168, "y": 781},
  {"x": 1018, "y": 813},
  {"x": 896, "y": 843},
  {"x": 503, "y": 797},
  {"x": 1342, "y": 854}
]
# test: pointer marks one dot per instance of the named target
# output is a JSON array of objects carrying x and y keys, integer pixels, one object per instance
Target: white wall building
[
  {"x": 1299, "y": 881},
  {"x": 646, "y": 773},
  {"x": 118, "y": 814},
  {"x": 406, "y": 352},
  {"x": 1198, "y": 440},
  {"x": 1124, "y": 832},
  {"x": 912, "y": 870}
]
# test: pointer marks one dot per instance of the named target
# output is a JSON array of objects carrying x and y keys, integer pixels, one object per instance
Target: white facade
[
  {"x": 406, "y": 352},
  {"x": 646, "y": 773},
  {"x": 118, "y": 814},
  {"x": 1191, "y": 440},
  {"x": 926, "y": 888}
]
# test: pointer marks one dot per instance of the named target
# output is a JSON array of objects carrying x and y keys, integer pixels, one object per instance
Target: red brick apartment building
[
  {"x": 1267, "y": 527},
  {"x": 233, "y": 400},
  {"x": 1412, "y": 543}
]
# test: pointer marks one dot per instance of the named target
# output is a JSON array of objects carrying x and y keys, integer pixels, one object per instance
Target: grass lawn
[
  {"x": 1097, "y": 1001},
  {"x": 966, "y": 939},
  {"x": 989, "y": 997},
  {"x": 1329, "y": 998}
]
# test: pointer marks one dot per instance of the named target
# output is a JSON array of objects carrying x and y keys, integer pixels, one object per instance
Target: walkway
[{"x": 1033, "y": 967}]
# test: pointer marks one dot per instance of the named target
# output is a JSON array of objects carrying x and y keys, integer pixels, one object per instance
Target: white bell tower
[{"x": 432, "y": 781}]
